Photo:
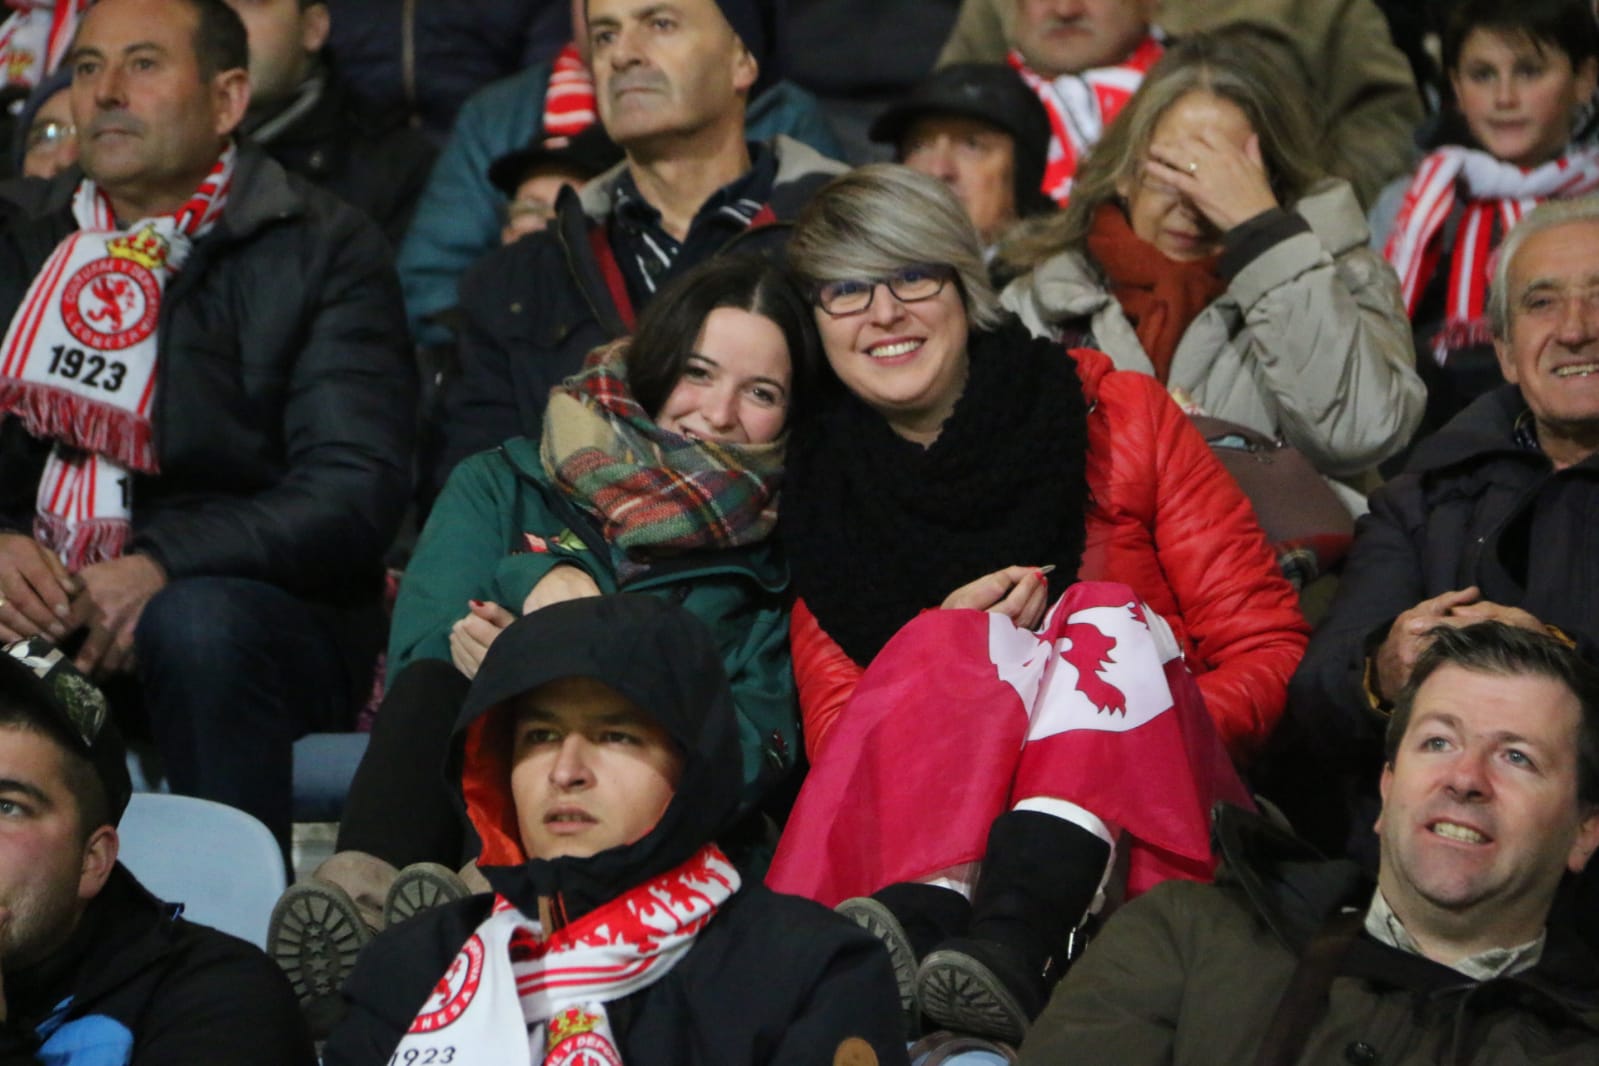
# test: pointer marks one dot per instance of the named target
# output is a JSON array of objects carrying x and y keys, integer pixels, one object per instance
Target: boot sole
[
  {"x": 419, "y": 887},
  {"x": 315, "y": 935},
  {"x": 962, "y": 994},
  {"x": 878, "y": 920}
]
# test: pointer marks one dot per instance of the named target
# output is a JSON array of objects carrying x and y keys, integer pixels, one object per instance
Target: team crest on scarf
[
  {"x": 576, "y": 1038},
  {"x": 454, "y": 992},
  {"x": 112, "y": 302}
]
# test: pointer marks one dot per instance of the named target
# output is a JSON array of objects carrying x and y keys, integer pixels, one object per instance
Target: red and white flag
[{"x": 963, "y": 715}]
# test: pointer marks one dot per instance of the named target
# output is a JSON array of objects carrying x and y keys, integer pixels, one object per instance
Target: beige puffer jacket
[{"x": 1309, "y": 343}]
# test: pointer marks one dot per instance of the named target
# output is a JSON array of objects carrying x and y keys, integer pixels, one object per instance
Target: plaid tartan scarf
[{"x": 654, "y": 492}]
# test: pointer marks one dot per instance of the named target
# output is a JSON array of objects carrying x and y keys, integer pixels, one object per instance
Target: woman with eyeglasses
[
  {"x": 963, "y": 463},
  {"x": 1204, "y": 247}
]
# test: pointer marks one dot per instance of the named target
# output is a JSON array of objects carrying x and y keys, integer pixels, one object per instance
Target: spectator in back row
[
  {"x": 1204, "y": 246},
  {"x": 94, "y": 971},
  {"x": 1523, "y": 72},
  {"x": 1459, "y": 953},
  {"x": 532, "y": 177},
  {"x": 1492, "y": 519},
  {"x": 458, "y": 217},
  {"x": 305, "y": 116},
  {"x": 980, "y": 130},
  {"x": 47, "y": 141},
  {"x": 1340, "y": 49},
  {"x": 674, "y": 98},
  {"x": 597, "y": 755},
  {"x": 207, "y": 405}
]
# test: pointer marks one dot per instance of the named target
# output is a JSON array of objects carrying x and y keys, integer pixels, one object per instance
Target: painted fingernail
[
  {"x": 63, "y": 611},
  {"x": 1047, "y": 568},
  {"x": 475, "y": 603}
]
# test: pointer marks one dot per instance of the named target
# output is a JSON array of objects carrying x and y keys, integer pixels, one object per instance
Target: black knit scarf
[{"x": 877, "y": 528}]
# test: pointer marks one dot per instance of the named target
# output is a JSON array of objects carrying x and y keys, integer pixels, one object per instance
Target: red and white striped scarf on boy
[
  {"x": 519, "y": 996},
  {"x": 1080, "y": 106},
  {"x": 1492, "y": 191},
  {"x": 78, "y": 364},
  {"x": 569, "y": 97}
]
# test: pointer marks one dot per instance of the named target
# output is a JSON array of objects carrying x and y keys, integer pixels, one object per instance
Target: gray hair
[
  {"x": 881, "y": 218},
  {"x": 1547, "y": 215}
]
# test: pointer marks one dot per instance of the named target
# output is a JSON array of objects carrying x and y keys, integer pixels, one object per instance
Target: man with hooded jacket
[{"x": 598, "y": 759}]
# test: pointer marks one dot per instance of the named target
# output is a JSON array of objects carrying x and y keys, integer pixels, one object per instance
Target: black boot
[
  {"x": 910, "y": 919},
  {"x": 1039, "y": 877}
]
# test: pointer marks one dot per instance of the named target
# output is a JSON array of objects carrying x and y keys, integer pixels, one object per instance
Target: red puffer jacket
[{"x": 1169, "y": 521}]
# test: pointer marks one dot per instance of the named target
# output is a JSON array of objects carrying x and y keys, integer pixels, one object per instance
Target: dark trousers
[
  {"x": 400, "y": 807},
  {"x": 233, "y": 672}
]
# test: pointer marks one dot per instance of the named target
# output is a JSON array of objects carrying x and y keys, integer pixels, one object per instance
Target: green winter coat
[{"x": 499, "y": 526}]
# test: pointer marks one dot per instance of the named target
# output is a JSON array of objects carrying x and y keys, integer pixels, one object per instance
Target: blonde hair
[
  {"x": 881, "y": 218},
  {"x": 1229, "y": 64}
]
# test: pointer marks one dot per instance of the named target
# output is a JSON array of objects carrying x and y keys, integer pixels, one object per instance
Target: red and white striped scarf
[
  {"x": 35, "y": 38},
  {"x": 1493, "y": 192},
  {"x": 516, "y": 995},
  {"x": 569, "y": 98},
  {"x": 78, "y": 363},
  {"x": 1080, "y": 106}
]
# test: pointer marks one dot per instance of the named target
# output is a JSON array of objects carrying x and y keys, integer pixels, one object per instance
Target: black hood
[{"x": 658, "y": 656}]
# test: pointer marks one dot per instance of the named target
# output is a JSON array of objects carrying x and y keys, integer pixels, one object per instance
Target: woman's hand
[
  {"x": 1225, "y": 181},
  {"x": 1021, "y": 593},
  {"x": 564, "y": 582},
  {"x": 471, "y": 636}
]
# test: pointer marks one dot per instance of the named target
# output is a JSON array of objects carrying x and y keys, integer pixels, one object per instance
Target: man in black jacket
[
  {"x": 597, "y": 755},
  {"x": 307, "y": 119},
  {"x": 208, "y": 411},
  {"x": 94, "y": 971},
  {"x": 1492, "y": 519},
  {"x": 691, "y": 187}
]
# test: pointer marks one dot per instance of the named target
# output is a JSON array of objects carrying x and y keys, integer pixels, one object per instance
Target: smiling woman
[
  {"x": 964, "y": 465},
  {"x": 658, "y": 472}
]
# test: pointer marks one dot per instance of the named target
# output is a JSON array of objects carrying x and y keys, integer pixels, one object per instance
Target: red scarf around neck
[{"x": 1160, "y": 296}]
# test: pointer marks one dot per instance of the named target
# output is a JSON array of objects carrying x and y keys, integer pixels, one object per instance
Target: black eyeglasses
[{"x": 911, "y": 284}]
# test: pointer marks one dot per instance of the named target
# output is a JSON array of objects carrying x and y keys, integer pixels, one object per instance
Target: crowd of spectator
[{"x": 1017, "y": 474}]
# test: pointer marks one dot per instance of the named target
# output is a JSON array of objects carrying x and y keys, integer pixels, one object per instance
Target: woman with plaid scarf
[{"x": 658, "y": 472}]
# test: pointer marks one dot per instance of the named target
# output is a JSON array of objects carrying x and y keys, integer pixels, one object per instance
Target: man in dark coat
[
  {"x": 305, "y": 116},
  {"x": 691, "y": 187},
  {"x": 1494, "y": 517},
  {"x": 94, "y": 971},
  {"x": 202, "y": 460},
  {"x": 597, "y": 756},
  {"x": 1458, "y": 954}
]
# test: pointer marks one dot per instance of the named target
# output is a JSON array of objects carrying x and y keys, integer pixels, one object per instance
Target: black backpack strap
[{"x": 1305, "y": 1000}]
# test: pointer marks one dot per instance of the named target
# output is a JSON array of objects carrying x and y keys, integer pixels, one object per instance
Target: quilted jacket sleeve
[
  {"x": 825, "y": 676},
  {"x": 1329, "y": 339},
  {"x": 1231, "y": 600}
]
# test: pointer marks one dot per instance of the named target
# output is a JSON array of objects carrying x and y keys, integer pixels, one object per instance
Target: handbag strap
[{"x": 1304, "y": 1003}]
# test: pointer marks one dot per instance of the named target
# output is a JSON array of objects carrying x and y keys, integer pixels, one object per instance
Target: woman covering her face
[
  {"x": 1522, "y": 74},
  {"x": 1203, "y": 247},
  {"x": 963, "y": 464},
  {"x": 658, "y": 472}
]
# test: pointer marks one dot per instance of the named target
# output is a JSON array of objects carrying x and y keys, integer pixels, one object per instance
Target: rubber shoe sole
[
  {"x": 960, "y": 993},
  {"x": 315, "y": 935},
  {"x": 874, "y": 917},
  {"x": 419, "y": 887}
]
